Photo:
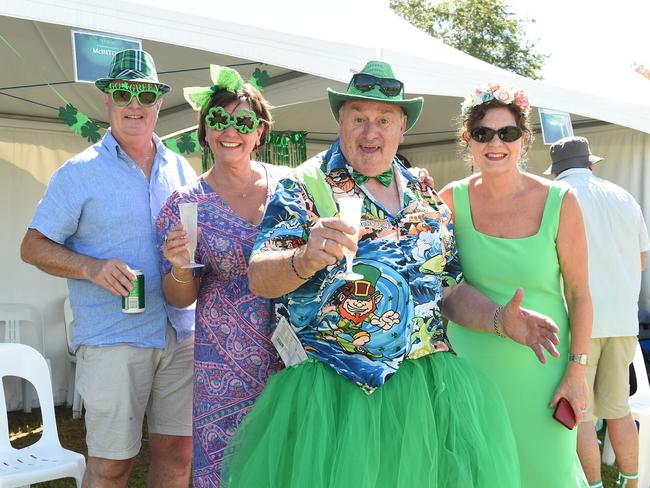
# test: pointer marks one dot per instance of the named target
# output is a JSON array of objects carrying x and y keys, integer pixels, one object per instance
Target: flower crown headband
[
  {"x": 223, "y": 78},
  {"x": 506, "y": 94}
]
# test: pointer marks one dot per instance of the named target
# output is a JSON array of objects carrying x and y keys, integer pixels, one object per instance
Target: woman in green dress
[{"x": 515, "y": 229}]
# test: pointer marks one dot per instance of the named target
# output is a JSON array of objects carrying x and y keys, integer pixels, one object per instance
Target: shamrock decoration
[
  {"x": 68, "y": 114},
  {"x": 90, "y": 130},
  {"x": 79, "y": 123},
  {"x": 185, "y": 143},
  {"x": 259, "y": 79}
]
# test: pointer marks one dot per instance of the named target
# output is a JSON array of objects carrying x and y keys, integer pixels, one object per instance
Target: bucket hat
[
  {"x": 132, "y": 65},
  {"x": 412, "y": 107},
  {"x": 570, "y": 152}
]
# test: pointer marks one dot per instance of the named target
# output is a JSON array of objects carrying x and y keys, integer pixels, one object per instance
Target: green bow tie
[{"x": 384, "y": 178}]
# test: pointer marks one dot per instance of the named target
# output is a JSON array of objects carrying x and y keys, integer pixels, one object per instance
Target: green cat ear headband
[
  {"x": 222, "y": 78},
  {"x": 226, "y": 79}
]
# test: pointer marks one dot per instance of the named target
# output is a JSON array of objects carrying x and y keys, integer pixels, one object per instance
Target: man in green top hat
[{"x": 94, "y": 226}]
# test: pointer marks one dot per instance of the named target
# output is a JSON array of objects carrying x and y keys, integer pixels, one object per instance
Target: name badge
[{"x": 287, "y": 344}]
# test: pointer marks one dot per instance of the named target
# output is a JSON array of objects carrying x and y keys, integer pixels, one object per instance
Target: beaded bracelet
[
  {"x": 495, "y": 322},
  {"x": 293, "y": 267},
  {"x": 177, "y": 280}
]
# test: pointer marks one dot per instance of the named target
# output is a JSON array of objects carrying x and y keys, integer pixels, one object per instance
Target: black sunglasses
[
  {"x": 507, "y": 134},
  {"x": 388, "y": 86}
]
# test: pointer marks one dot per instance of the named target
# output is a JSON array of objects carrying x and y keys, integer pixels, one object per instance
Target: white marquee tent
[{"x": 306, "y": 47}]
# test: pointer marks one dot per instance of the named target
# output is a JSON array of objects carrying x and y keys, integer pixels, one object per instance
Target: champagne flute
[
  {"x": 188, "y": 212},
  {"x": 350, "y": 213}
]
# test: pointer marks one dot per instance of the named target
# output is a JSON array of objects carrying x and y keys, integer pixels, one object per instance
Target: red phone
[{"x": 564, "y": 414}]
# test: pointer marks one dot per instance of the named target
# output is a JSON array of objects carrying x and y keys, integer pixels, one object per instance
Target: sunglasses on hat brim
[
  {"x": 509, "y": 133},
  {"x": 122, "y": 96},
  {"x": 245, "y": 121},
  {"x": 388, "y": 86}
]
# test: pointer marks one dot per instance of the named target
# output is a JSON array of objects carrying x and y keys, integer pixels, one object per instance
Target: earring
[{"x": 207, "y": 158}]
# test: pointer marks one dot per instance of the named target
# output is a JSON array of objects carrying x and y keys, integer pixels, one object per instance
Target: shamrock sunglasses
[
  {"x": 121, "y": 95},
  {"x": 245, "y": 121},
  {"x": 388, "y": 86},
  {"x": 509, "y": 133}
]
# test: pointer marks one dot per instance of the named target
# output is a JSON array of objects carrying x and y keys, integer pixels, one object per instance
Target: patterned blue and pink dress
[{"x": 233, "y": 354}]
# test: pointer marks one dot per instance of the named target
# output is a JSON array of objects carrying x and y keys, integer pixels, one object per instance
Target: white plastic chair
[
  {"x": 14, "y": 315},
  {"x": 640, "y": 407},
  {"x": 74, "y": 398},
  {"x": 46, "y": 459}
]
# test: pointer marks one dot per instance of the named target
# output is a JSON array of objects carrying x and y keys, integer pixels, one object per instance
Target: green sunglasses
[
  {"x": 245, "y": 121},
  {"x": 121, "y": 95}
]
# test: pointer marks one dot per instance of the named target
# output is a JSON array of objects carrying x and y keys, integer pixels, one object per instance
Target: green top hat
[
  {"x": 412, "y": 107},
  {"x": 132, "y": 65},
  {"x": 364, "y": 288}
]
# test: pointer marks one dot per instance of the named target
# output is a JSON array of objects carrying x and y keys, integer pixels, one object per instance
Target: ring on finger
[{"x": 323, "y": 244}]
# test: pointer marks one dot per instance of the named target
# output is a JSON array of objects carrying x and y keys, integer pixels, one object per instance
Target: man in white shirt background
[{"x": 617, "y": 241}]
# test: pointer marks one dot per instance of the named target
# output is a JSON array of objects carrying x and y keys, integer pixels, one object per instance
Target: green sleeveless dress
[{"x": 497, "y": 267}]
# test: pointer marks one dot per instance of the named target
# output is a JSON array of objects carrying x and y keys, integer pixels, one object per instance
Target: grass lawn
[{"x": 25, "y": 428}]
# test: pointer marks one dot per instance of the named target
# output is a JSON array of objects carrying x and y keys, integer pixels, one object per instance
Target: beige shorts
[
  {"x": 119, "y": 384},
  {"x": 608, "y": 377}
]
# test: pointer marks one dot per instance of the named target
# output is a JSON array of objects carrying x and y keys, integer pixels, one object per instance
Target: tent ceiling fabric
[{"x": 304, "y": 52}]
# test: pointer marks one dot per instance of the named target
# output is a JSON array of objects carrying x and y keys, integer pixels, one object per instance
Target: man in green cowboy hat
[
  {"x": 373, "y": 117},
  {"x": 94, "y": 226},
  {"x": 369, "y": 341}
]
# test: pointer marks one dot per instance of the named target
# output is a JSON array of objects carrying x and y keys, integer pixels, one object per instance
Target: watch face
[{"x": 578, "y": 358}]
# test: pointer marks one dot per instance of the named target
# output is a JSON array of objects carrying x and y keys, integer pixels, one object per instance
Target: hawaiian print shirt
[{"x": 364, "y": 329}]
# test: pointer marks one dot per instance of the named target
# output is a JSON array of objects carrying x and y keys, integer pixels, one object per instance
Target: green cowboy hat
[
  {"x": 132, "y": 65},
  {"x": 411, "y": 107}
]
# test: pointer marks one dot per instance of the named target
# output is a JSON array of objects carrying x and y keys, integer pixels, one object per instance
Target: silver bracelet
[{"x": 495, "y": 322}]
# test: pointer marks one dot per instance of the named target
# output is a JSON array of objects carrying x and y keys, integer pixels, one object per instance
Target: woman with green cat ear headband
[{"x": 233, "y": 352}]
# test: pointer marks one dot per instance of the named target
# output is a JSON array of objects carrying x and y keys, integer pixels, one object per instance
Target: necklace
[{"x": 243, "y": 192}]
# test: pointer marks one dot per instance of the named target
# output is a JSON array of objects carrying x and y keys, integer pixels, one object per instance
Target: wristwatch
[{"x": 578, "y": 358}]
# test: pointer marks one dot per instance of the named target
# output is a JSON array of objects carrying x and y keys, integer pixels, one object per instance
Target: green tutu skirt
[{"x": 436, "y": 423}]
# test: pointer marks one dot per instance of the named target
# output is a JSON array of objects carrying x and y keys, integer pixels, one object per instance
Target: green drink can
[{"x": 134, "y": 302}]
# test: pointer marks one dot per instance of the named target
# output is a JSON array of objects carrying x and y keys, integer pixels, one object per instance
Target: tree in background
[{"x": 485, "y": 29}]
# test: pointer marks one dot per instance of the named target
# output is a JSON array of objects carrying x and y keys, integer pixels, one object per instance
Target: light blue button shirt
[{"x": 100, "y": 204}]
